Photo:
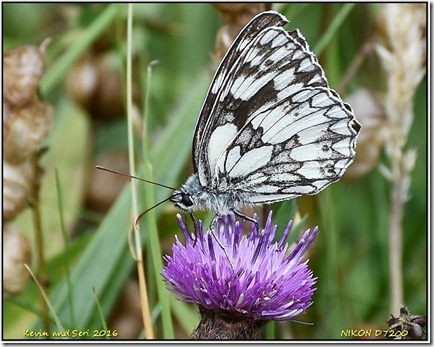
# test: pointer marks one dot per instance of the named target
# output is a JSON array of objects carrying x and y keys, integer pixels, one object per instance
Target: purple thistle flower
[{"x": 248, "y": 277}]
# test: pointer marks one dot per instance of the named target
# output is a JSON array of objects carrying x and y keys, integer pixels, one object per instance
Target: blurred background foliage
[{"x": 85, "y": 83}]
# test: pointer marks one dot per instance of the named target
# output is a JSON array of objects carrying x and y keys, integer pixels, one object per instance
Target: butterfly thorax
[{"x": 192, "y": 196}]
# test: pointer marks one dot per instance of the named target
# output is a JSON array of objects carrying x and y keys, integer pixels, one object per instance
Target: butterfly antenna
[
  {"x": 138, "y": 219},
  {"x": 131, "y": 176}
]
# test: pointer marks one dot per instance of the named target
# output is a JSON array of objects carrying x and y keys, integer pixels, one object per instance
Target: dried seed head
[
  {"x": 411, "y": 326},
  {"x": 402, "y": 52},
  {"x": 16, "y": 253},
  {"x": 25, "y": 129},
  {"x": 23, "y": 67},
  {"x": 384, "y": 25}
]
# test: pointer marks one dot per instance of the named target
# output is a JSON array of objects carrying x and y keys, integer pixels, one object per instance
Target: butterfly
[{"x": 270, "y": 128}]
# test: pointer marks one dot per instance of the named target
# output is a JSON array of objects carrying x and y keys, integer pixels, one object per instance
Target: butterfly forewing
[
  {"x": 257, "y": 24},
  {"x": 270, "y": 126},
  {"x": 209, "y": 113}
]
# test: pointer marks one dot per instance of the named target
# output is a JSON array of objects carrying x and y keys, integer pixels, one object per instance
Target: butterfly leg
[
  {"x": 223, "y": 249},
  {"x": 247, "y": 218},
  {"x": 214, "y": 222},
  {"x": 212, "y": 228},
  {"x": 193, "y": 219}
]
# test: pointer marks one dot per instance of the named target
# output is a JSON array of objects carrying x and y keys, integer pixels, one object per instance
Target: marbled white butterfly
[{"x": 270, "y": 128}]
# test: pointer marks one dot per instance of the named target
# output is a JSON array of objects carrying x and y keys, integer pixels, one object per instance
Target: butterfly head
[
  {"x": 182, "y": 200},
  {"x": 186, "y": 197}
]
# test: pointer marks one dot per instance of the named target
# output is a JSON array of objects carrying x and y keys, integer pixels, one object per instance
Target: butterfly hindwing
[{"x": 282, "y": 153}]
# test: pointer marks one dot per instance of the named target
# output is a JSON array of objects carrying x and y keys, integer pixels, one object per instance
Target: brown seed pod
[
  {"x": 95, "y": 84},
  {"x": 239, "y": 13},
  {"x": 17, "y": 181},
  {"x": 82, "y": 81},
  {"x": 103, "y": 188},
  {"x": 235, "y": 17},
  {"x": 108, "y": 101},
  {"x": 25, "y": 129},
  {"x": 22, "y": 67},
  {"x": 16, "y": 253},
  {"x": 26, "y": 123}
]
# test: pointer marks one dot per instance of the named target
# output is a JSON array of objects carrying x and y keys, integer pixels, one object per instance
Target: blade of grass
[
  {"x": 131, "y": 155},
  {"x": 330, "y": 226},
  {"x": 333, "y": 28},
  {"x": 100, "y": 312},
  {"x": 154, "y": 248},
  {"x": 47, "y": 301},
  {"x": 67, "y": 248}
]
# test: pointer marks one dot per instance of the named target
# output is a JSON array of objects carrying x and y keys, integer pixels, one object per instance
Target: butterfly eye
[{"x": 185, "y": 200}]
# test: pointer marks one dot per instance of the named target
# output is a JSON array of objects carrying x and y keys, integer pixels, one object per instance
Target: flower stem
[
  {"x": 39, "y": 236},
  {"x": 395, "y": 247}
]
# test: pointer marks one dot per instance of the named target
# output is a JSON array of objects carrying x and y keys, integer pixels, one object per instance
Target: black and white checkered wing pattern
[{"x": 270, "y": 126}]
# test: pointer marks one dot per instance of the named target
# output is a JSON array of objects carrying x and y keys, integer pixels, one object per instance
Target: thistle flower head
[{"x": 245, "y": 276}]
